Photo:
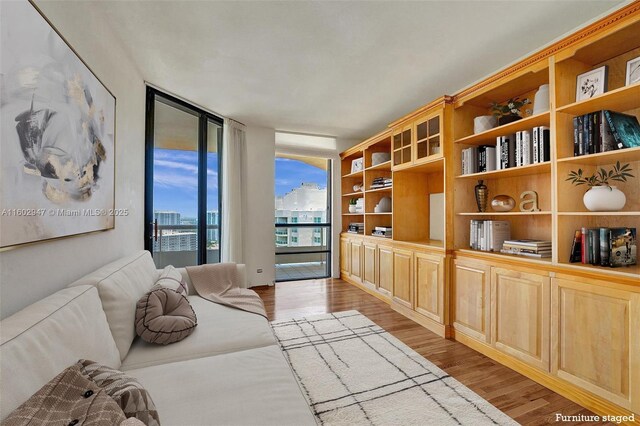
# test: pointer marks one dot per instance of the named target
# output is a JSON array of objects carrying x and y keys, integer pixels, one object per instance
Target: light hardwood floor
[{"x": 519, "y": 397}]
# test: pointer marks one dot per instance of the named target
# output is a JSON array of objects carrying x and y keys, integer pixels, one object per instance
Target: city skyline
[{"x": 175, "y": 180}]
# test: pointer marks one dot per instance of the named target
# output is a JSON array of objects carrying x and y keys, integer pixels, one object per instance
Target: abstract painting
[{"x": 57, "y": 134}]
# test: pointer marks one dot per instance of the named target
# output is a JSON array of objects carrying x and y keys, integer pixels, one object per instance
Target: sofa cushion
[
  {"x": 164, "y": 316},
  {"x": 121, "y": 284},
  {"x": 220, "y": 329},
  {"x": 171, "y": 278},
  {"x": 41, "y": 340},
  {"x": 252, "y": 387},
  {"x": 128, "y": 393},
  {"x": 68, "y": 398}
]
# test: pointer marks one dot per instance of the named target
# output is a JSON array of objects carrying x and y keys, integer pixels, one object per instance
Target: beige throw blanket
[{"x": 219, "y": 284}]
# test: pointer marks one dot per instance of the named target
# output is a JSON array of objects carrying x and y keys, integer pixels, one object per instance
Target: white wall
[
  {"x": 259, "y": 215},
  {"x": 33, "y": 272}
]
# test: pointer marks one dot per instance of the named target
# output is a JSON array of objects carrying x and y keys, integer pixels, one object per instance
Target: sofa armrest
[{"x": 242, "y": 276}]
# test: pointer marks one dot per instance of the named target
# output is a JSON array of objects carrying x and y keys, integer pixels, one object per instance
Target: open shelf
[
  {"x": 352, "y": 214},
  {"x": 354, "y": 174},
  {"x": 379, "y": 214},
  {"x": 516, "y": 213},
  {"x": 503, "y": 256},
  {"x": 382, "y": 166},
  {"x": 389, "y": 189},
  {"x": 632, "y": 271},
  {"x": 623, "y": 155},
  {"x": 621, "y": 99},
  {"x": 435, "y": 163},
  {"x": 599, "y": 213},
  {"x": 530, "y": 169},
  {"x": 490, "y": 135},
  {"x": 353, "y": 194}
]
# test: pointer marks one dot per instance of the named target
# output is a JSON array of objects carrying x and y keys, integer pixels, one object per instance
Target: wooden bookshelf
[{"x": 566, "y": 325}]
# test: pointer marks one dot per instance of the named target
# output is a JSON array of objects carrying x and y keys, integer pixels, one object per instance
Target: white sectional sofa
[{"x": 230, "y": 371}]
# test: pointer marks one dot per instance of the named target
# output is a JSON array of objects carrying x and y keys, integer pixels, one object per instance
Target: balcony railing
[
  {"x": 310, "y": 260},
  {"x": 183, "y": 251}
]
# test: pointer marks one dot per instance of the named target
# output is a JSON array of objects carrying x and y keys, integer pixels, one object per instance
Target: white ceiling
[{"x": 343, "y": 69}]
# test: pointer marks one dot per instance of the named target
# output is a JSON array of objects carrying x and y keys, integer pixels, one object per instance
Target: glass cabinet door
[
  {"x": 402, "y": 147},
  {"x": 428, "y": 137}
]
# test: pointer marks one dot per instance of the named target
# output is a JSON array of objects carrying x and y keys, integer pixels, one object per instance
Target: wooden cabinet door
[
  {"x": 429, "y": 277},
  {"x": 356, "y": 260},
  {"x": 471, "y": 289},
  {"x": 427, "y": 137},
  {"x": 385, "y": 270},
  {"x": 403, "y": 277},
  {"x": 596, "y": 339},
  {"x": 520, "y": 304},
  {"x": 345, "y": 256},
  {"x": 401, "y": 147},
  {"x": 370, "y": 265}
]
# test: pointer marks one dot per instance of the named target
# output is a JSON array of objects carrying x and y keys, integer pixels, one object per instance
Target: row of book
[
  {"x": 528, "y": 248},
  {"x": 382, "y": 231},
  {"x": 489, "y": 235},
  {"x": 356, "y": 228},
  {"x": 381, "y": 182},
  {"x": 603, "y": 131},
  {"x": 604, "y": 246},
  {"x": 519, "y": 149}
]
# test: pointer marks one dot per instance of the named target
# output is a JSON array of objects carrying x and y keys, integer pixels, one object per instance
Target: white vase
[
  {"x": 484, "y": 123},
  {"x": 604, "y": 199},
  {"x": 541, "y": 100},
  {"x": 352, "y": 208}
]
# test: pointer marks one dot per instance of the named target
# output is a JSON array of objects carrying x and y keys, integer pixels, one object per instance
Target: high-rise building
[
  {"x": 304, "y": 204},
  {"x": 213, "y": 235},
  {"x": 167, "y": 217}
]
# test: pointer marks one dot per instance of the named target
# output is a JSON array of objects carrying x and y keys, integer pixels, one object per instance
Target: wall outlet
[{"x": 259, "y": 270}]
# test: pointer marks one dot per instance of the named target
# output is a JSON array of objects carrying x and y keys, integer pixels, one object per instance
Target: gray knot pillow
[{"x": 164, "y": 316}]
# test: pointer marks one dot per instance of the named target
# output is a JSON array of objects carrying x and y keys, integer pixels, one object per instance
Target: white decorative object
[
  {"x": 380, "y": 157},
  {"x": 383, "y": 206},
  {"x": 484, "y": 123},
  {"x": 604, "y": 199},
  {"x": 357, "y": 165},
  {"x": 352, "y": 208},
  {"x": 357, "y": 187},
  {"x": 541, "y": 100}
]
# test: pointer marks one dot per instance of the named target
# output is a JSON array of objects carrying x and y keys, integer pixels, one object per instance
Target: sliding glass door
[
  {"x": 303, "y": 217},
  {"x": 182, "y": 197}
]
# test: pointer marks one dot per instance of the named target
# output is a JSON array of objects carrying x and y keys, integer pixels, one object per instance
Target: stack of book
[
  {"x": 489, "y": 235},
  {"x": 516, "y": 150},
  {"x": 603, "y": 131},
  {"x": 604, "y": 246},
  {"x": 382, "y": 231},
  {"x": 529, "y": 248},
  {"x": 360, "y": 205},
  {"x": 478, "y": 159},
  {"x": 356, "y": 228},
  {"x": 523, "y": 148},
  {"x": 381, "y": 182}
]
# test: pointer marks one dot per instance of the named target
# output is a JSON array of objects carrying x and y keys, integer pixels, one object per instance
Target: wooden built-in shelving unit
[{"x": 570, "y": 326}]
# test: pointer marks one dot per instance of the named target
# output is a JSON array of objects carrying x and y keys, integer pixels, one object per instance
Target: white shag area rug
[{"x": 355, "y": 373}]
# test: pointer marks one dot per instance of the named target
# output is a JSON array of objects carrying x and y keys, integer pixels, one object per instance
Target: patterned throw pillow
[
  {"x": 70, "y": 398},
  {"x": 171, "y": 278},
  {"x": 164, "y": 316},
  {"x": 128, "y": 393}
]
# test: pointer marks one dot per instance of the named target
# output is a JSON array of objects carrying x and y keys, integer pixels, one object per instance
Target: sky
[
  {"x": 291, "y": 173},
  {"x": 175, "y": 180}
]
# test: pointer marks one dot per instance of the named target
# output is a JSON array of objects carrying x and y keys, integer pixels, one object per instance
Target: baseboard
[
  {"x": 581, "y": 397},
  {"x": 431, "y": 325}
]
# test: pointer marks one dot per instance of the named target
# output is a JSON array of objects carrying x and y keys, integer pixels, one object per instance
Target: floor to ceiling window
[
  {"x": 182, "y": 197},
  {"x": 302, "y": 217}
]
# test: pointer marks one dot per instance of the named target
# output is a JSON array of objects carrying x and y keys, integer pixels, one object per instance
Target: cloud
[
  {"x": 175, "y": 180},
  {"x": 176, "y": 165}
]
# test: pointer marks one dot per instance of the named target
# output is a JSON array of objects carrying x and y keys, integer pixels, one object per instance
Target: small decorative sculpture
[
  {"x": 533, "y": 201},
  {"x": 502, "y": 203},
  {"x": 482, "y": 193}
]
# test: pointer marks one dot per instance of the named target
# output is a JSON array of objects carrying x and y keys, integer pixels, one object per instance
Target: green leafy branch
[{"x": 601, "y": 177}]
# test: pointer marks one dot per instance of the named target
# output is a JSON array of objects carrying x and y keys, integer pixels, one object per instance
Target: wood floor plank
[{"x": 526, "y": 401}]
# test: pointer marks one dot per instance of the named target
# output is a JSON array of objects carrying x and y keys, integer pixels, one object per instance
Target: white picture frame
[
  {"x": 591, "y": 83},
  {"x": 357, "y": 165},
  {"x": 633, "y": 71}
]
